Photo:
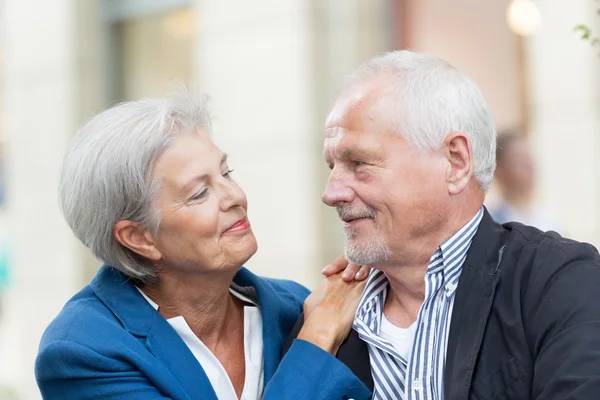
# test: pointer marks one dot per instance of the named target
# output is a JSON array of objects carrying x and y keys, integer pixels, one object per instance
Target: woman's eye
[{"x": 200, "y": 195}]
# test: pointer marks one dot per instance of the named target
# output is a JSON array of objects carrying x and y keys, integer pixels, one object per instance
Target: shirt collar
[
  {"x": 375, "y": 288},
  {"x": 454, "y": 250},
  {"x": 449, "y": 258}
]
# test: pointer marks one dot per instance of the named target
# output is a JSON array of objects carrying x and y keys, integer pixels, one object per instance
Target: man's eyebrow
[{"x": 351, "y": 152}]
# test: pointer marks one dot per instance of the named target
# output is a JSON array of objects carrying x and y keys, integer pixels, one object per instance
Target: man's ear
[
  {"x": 136, "y": 239},
  {"x": 459, "y": 156}
]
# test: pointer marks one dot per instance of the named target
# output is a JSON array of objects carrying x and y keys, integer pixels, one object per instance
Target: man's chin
[
  {"x": 372, "y": 253},
  {"x": 362, "y": 258}
]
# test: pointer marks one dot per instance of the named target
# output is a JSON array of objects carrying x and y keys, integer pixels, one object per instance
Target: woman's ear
[{"x": 136, "y": 239}]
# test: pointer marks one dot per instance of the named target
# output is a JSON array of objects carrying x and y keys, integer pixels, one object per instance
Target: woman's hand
[
  {"x": 329, "y": 312},
  {"x": 351, "y": 271}
]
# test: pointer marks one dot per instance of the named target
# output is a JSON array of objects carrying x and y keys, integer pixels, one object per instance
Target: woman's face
[{"x": 204, "y": 225}]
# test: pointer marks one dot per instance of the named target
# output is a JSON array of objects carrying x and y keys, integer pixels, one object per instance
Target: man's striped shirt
[{"x": 421, "y": 376}]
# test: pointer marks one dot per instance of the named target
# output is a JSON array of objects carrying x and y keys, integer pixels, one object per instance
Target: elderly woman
[{"x": 172, "y": 314}]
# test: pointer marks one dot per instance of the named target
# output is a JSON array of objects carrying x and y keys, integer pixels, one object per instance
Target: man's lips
[
  {"x": 349, "y": 221},
  {"x": 240, "y": 226}
]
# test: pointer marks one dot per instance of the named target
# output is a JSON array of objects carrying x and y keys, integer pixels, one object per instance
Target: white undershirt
[
  {"x": 402, "y": 339},
  {"x": 253, "y": 353}
]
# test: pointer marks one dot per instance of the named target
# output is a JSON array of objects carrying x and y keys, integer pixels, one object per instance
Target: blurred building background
[{"x": 271, "y": 67}]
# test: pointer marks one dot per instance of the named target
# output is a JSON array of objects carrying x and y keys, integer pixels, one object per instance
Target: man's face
[{"x": 386, "y": 192}]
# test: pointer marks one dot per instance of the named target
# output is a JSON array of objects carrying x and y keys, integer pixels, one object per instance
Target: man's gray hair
[
  {"x": 106, "y": 175},
  {"x": 433, "y": 99}
]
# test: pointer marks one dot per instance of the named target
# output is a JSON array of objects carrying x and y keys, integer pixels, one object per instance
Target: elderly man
[{"x": 457, "y": 306}]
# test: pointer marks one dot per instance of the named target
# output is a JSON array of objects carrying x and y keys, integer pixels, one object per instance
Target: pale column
[
  {"x": 43, "y": 99},
  {"x": 346, "y": 34},
  {"x": 565, "y": 116},
  {"x": 270, "y": 67},
  {"x": 254, "y": 60}
]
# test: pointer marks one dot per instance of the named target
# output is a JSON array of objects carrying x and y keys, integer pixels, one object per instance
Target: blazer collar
[
  {"x": 119, "y": 294},
  {"x": 279, "y": 314},
  {"x": 472, "y": 304},
  {"x": 140, "y": 319}
]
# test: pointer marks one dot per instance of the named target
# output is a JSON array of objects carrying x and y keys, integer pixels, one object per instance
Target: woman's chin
[{"x": 247, "y": 247}]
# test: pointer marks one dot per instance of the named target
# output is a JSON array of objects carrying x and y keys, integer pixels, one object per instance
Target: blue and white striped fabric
[{"x": 422, "y": 376}]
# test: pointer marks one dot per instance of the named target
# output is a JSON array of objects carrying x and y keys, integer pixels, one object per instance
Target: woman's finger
[
  {"x": 362, "y": 273},
  {"x": 350, "y": 272},
  {"x": 337, "y": 266}
]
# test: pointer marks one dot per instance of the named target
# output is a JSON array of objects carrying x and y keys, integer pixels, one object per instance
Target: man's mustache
[{"x": 348, "y": 213}]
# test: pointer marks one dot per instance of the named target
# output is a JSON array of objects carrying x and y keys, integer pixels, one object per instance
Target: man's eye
[{"x": 228, "y": 173}]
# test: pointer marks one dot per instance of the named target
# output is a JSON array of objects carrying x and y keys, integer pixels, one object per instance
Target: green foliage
[{"x": 587, "y": 33}]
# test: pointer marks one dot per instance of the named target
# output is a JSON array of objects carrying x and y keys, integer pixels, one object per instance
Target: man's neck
[
  {"x": 406, "y": 274},
  {"x": 405, "y": 295}
]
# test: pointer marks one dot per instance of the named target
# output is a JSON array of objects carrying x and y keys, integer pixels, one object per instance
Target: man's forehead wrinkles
[
  {"x": 330, "y": 149},
  {"x": 346, "y": 150},
  {"x": 333, "y": 148}
]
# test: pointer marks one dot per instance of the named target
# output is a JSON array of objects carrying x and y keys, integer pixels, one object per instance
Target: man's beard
[{"x": 369, "y": 251}]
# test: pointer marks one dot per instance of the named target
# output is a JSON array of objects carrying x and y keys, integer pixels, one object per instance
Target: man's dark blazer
[{"x": 525, "y": 323}]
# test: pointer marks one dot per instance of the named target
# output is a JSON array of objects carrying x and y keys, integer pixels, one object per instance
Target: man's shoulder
[
  {"x": 544, "y": 254},
  {"x": 544, "y": 242}
]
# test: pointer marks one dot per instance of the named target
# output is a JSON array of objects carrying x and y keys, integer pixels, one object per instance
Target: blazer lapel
[
  {"x": 472, "y": 304},
  {"x": 278, "y": 316},
  {"x": 166, "y": 345},
  {"x": 140, "y": 319},
  {"x": 354, "y": 352}
]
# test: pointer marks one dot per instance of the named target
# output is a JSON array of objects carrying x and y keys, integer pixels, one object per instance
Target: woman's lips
[{"x": 240, "y": 226}]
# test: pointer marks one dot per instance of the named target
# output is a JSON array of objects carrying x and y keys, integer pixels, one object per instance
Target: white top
[
  {"x": 401, "y": 338},
  {"x": 253, "y": 353}
]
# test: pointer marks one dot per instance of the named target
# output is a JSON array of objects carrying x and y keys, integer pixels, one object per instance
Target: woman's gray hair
[
  {"x": 432, "y": 100},
  {"x": 106, "y": 175}
]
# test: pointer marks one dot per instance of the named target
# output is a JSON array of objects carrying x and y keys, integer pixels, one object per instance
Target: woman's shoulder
[
  {"x": 85, "y": 335},
  {"x": 285, "y": 286},
  {"x": 272, "y": 286},
  {"x": 82, "y": 314}
]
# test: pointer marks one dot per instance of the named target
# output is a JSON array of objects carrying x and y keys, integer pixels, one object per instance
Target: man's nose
[{"x": 337, "y": 189}]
